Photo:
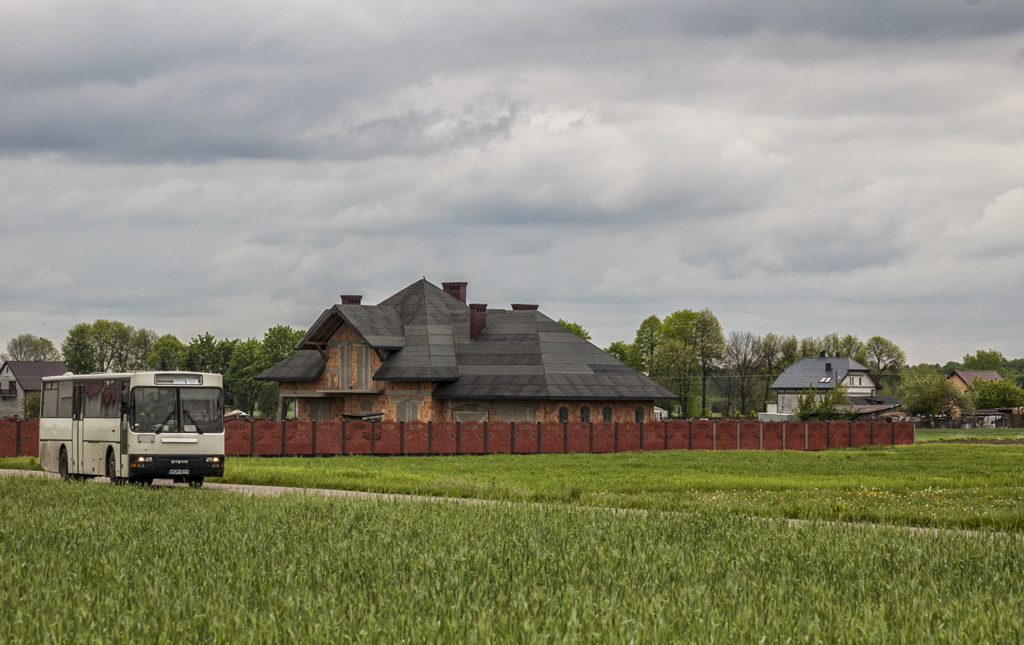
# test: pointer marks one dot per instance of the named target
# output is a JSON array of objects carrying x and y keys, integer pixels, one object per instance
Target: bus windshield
[{"x": 177, "y": 409}]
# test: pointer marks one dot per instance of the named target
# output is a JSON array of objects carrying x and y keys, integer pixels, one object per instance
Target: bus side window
[
  {"x": 93, "y": 400},
  {"x": 49, "y": 401},
  {"x": 65, "y": 401}
]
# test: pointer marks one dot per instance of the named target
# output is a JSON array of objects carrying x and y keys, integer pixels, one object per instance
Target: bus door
[{"x": 77, "y": 407}]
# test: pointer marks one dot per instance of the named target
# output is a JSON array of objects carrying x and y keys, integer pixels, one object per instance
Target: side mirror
[
  {"x": 229, "y": 398},
  {"x": 125, "y": 400}
]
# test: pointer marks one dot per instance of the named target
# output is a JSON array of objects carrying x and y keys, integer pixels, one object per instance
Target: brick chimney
[
  {"x": 522, "y": 307},
  {"x": 351, "y": 300},
  {"x": 456, "y": 290},
  {"x": 477, "y": 319}
]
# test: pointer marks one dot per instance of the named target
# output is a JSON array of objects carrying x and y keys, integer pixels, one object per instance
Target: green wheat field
[{"x": 83, "y": 562}]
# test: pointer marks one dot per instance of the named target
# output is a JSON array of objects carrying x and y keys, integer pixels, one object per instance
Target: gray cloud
[{"x": 796, "y": 168}]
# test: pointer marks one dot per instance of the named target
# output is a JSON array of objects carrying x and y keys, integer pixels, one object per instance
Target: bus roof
[{"x": 146, "y": 377}]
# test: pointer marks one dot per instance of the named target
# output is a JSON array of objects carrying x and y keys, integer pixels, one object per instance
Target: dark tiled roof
[
  {"x": 30, "y": 373},
  {"x": 968, "y": 376},
  {"x": 521, "y": 354},
  {"x": 303, "y": 365},
  {"x": 811, "y": 370}
]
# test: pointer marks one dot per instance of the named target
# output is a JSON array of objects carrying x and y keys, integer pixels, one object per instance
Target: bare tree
[
  {"x": 742, "y": 352},
  {"x": 27, "y": 347}
]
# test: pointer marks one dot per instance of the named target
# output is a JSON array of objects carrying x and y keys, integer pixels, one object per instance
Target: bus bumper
[{"x": 170, "y": 466}]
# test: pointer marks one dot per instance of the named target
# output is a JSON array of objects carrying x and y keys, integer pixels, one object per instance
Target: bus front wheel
[
  {"x": 62, "y": 463},
  {"x": 195, "y": 482}
]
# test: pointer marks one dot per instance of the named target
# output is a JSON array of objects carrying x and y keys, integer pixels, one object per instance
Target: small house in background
[
  {"x": 823, "y": 373},
  {"x": 19, "y": 379},
  {"x": 964, "y": 378},
  {"x": 424, "y": 354}
]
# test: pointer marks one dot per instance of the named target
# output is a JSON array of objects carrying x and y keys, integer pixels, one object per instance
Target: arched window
[
  {"x": 585, "y": 414},
  {"x": 606, "y": 414},
  {"x": 639, "y": 414},
  {"x": 563, "y": 414}
]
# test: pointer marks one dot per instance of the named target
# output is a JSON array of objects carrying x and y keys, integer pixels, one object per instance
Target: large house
[
  {"x": 823, "y": 373},
  {"x": 19, "y": 379},
  {"x": 424, "y": 354}
]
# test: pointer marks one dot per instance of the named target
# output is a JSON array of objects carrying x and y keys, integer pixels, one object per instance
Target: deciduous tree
[
  {"x": 708, "y": 348},
  {"x": 997, "y": 394},
  {"x": 167, "y": 354},
  {"x": 28, "y": 347},
  {"x": 926, "y": 391}
]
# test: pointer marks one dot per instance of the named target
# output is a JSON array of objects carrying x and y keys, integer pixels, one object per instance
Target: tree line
[
  {"x": 710, "y": 371},
  {"x": 113, "y": 346},
  {"x": 926, "y": 389}
]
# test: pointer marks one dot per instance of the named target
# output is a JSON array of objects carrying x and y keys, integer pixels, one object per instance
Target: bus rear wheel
[
  {"x": 62, "y": 463},
  {"x": 112, "y": 468}
]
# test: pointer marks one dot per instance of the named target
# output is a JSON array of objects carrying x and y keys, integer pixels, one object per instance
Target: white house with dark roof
[
  {"x": 21, "y": 378},
  {"x": 424, "y": 354},
  {"x": 823, "y": 373}
]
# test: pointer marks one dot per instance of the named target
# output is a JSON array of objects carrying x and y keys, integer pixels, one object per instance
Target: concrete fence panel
[
  {"x": 726, "y": 435},
  {"x": 577, "y": 438},
  {"x": 795, "y": 435},
  {"x": 702, "y": 435},
  {"x": 552, "y": 436},
  {"x": 860, "y": 433},
  {"x": 839, "y": 434},
  {"x": 330, "y": 438},
  {"x": 358, "y": 438},
  {"x": 9, "y": 437},
  {"x": 772, "y": 433},
  {"x": 629, "y": 436},
  {"x": 446, "y": 437},
  {"x": 750, "y": 435},
  {"x": 389, "y": 438},
  {"x": 654, "y": 435},
  {"x": 417, "y": 438},
  {"x": 298, "y": 437},
  {"x": 269, "y": 438},
  {"x": 475, "y": 438},
  {"x": 527, "y": 437},
  {"x": 817, "y": 435},
  {"x": 903, "y": 433},
  {"x": 881, "y": 433},
  {"x": 604, "y": 436},
  {"x": 678, "y": 435},
  {"x": 30, "y": 437},
  {"x": 499, "y": 437}
]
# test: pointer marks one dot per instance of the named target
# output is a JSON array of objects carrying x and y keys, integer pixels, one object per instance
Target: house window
[
  {"x": 291, "y": 408},
  {"x": 638, "y": 414},
  {"x": 469, "y": 412},
  {"x": 585, "y": 414},
  {"x": 606, "y": 414},
  {"x": 12, "y": 387},
  {"x": 563, "y": 414},
  {"x": 320, "y": 409},
  {"x": 408, "y": 410}
]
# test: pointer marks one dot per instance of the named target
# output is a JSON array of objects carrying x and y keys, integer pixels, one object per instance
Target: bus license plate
[{"x": 178, "y": 471}]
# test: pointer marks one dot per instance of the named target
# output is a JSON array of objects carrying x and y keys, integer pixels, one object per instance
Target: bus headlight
[{"x": 213, "y": 460}]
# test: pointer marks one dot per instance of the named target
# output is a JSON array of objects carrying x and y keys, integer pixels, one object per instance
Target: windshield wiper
[
  {"x": 194, "y": 424},
  {"x": 164, "y": 422}
]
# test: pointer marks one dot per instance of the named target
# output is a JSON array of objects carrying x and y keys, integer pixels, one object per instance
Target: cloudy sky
[{"x": 800, "y": 166}]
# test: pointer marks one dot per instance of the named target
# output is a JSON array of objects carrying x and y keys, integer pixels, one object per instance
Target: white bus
[{"x": 136, "y": 426}]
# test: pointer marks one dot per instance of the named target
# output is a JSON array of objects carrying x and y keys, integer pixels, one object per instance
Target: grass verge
[
  {"x": 954, "y": 486},
  {"x": 20, "y": 463},
  {"x": 87, "y": 563}
]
